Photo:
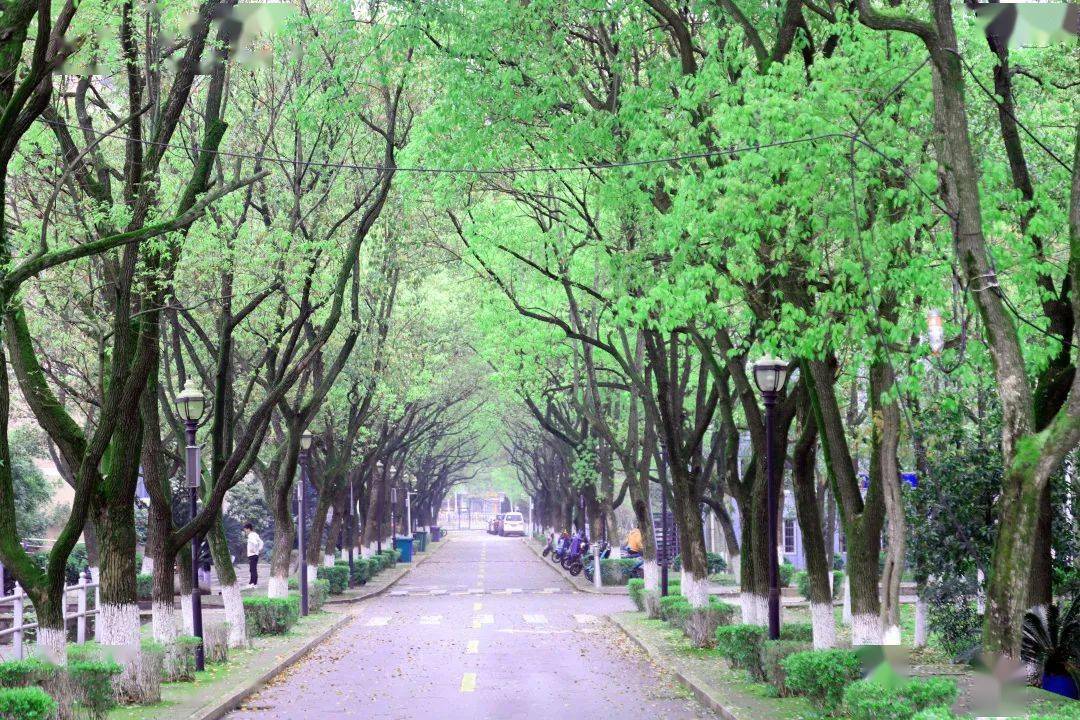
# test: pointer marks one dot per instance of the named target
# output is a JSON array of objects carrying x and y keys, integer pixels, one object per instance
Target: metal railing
[{"x": 18, "y": 600}]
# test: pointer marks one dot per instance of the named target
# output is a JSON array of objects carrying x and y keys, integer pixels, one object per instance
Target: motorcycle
[
  {"x": 560, "y": 549},
  {"x": 571, "y": 562},
  {"x": 587, "y": 560}
]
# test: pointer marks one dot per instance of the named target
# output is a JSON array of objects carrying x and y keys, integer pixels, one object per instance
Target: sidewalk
[
  {"x": 221, "y": 688},
  {"x": 731, "y": 695}
]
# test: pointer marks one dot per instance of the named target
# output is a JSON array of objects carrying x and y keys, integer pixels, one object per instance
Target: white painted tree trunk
[
  {"x": 696, "y": 590},
  {"x": 980, "y": 597},
  {"x": 846, "y": 616},
  {"x": 652, "y": 575},
  {"x": 734, "y": 563},
  {"x": 367, "y": 551},
  {"x": 616, "y": 551},
  {"x": 890, "y": 635},
  {"x": 328, "y": 560},
  {"x": 312, "y": 574},
  {"x": 277, "y": 587},
  {"x": 164, "y": 621},
  {"x": 117, "y": 628},
  {"x": 147, "y": 565},
  {"x": 51, "y": 645},
  {"x": 234, "y": 615},
  {"x": 344, "y": 553},
  {"x": 185, "y": 614},
  {"x": 824, "y": 625},
  {"x": 866, "y": 629},
  {"x": 921, "y": 625}
]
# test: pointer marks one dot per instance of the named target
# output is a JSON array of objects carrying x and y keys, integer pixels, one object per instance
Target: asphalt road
[{"x": 484, "y": 629}]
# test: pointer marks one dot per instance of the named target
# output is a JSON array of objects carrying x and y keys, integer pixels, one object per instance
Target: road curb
[
  {"x": 392, "y": 583},
  {"x": 699, "y": 687},
  {"x": 234, "y": 700}
]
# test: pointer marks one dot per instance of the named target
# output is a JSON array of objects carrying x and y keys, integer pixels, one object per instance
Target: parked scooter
[
  {"x": 578, "y": 547},
  {"x": 562, "y": 546},
  {"x": 587, "y": 560}
]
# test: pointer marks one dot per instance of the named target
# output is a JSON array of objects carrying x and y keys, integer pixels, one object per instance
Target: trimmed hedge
[
  {"x": 320, "y": 591},
  {"x": 797, "y": 632},
  {"x": 24, "y": 673},
  {"x": 874, "y": 700},
  {"x": 773, "y": 653},
  {"x": 144, "y": 586},
  {"x": 616, "y": 571},
  {"x": 821, "y": 675},
  {"x": 337, "y": 578},
  {"x": 92, "y": 684},
  {"x": 361, "y": 571},
  {"x": 271, "y": 616},
  {"x": 670, "y": 608},
  {"x": 636, "y": 588},
  {"x": 26, "y": 703},
  {"x": 787, "y": 570},
  {"x": 700, "y": 624},
  {"x": 391, "y": 558},
  {"x": 713, "y": 561},
  {"x": 741, "y": 646},
  {"x": 179, "y": 663}
]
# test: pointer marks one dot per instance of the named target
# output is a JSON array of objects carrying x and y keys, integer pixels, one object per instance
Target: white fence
[{"x": 19, "y": 600}]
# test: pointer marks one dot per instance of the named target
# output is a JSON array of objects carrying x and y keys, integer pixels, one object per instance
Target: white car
[{"x": 512, "y": 524}]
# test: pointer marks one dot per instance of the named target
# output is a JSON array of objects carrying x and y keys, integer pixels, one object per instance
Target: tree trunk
[
  {"x": 887, "y": 441},
  {"x": 230, "y": 588},
  {"x": 284, "y": 537},
  {"x": 818, "y": 565}
]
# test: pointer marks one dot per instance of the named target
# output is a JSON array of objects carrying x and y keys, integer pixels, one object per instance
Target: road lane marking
[
  {"x": 437, "y": 592},
  {"x": 377, "y": 621},
  {"x": 430, "y": 619},
  {"x": 549, "y": 591},
  {"x": 399, "y": 593},
  {"x": 585, "y": 619},
  {"x": 468, "y": 682},
  {"x": 535, "y": 619},
  {"x": 473, "y": 648}
]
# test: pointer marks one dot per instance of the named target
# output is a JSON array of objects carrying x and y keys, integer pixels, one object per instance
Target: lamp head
[
  {"x": 305, "y": 440},
  {"x": 190, "y": 403},
  {"x": 770, "y": 374}
]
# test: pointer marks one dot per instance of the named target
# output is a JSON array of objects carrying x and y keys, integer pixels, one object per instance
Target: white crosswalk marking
[
  {"x": 437, "y": 591},
  {"x": 398, "y": 593},
  {"x": 430, "y": 619},
  {"x": 549, "y": 591},
  {"x": 584, "y": 619},
  {"x": 483, "y": 620},
  {"x": 377, "y": 621},
  {"x": 535, "y": 619}
]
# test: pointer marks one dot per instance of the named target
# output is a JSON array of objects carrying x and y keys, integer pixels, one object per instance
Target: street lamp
[
  {"x": 305, "y": 457},
  {"x": 350, "y": 519},
  {"x": 770, "y": 374},
  {"x": 190, "y": 404}
]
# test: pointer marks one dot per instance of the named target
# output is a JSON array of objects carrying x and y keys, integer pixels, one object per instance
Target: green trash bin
[
  {"x": 404, "y": 546},
  {"x": 420, "y": 540}
]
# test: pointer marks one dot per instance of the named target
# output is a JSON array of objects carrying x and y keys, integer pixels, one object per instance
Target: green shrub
[
  {"x": 390, "y": 558},
  {"x": 616, "y": 571},
  {"x": 741, "y": 646},
  {"x": 216, "y": 642},
  {"x": 397, "y": 555},
  {"x": 869, "y": 700},
  {"x": 939, "y": 712},
  {"x": 786, "y": 571},
  {"x": 271, "y": 616},
  {"x": 671, "y": 607},
  {"x": 92, "y": 685},
  {"x": 724, "y": 578},
  {"x": 802, "y": 582},
  {"x": 337, "y": 578},
  {"x": 930, "y": 692},
  {"x": 636, "y": 590},
  {"x": 179, "y": 665},
  {"x": 320, "y": 591},
  {"x": 26, "y": 703},
  {"x": 361, "y": 571},
  {"x": 699, "y": 624},
  {"x": 773, "y": 653},
  {"x": 837, "y": 584},
  {"x": 821, "y": 675},
  {"x": 797, "y": 631},
  {"x": 24, "y": 673},
  {"x": 378, "y": 562},
  {"x": 144, "y": 586},
  {"x": 714, "y": 563}
]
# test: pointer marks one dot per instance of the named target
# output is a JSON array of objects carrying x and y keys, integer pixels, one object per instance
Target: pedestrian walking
[{"x": 254, "y": 548}]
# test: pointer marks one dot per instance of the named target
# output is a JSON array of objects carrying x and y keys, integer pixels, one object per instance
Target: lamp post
[
  {"x": 305, "y": 457},
  {"x": 770, "y": 374},
  {"x": 190, "y": 404},
  {"x": 408, "y": 512}
]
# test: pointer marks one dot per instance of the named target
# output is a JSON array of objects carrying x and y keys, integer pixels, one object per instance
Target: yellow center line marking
[
  {"x": 473, "y": 648},
  {"x": 468, "y": 682},
  {"x": 477, "y": 606}
]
